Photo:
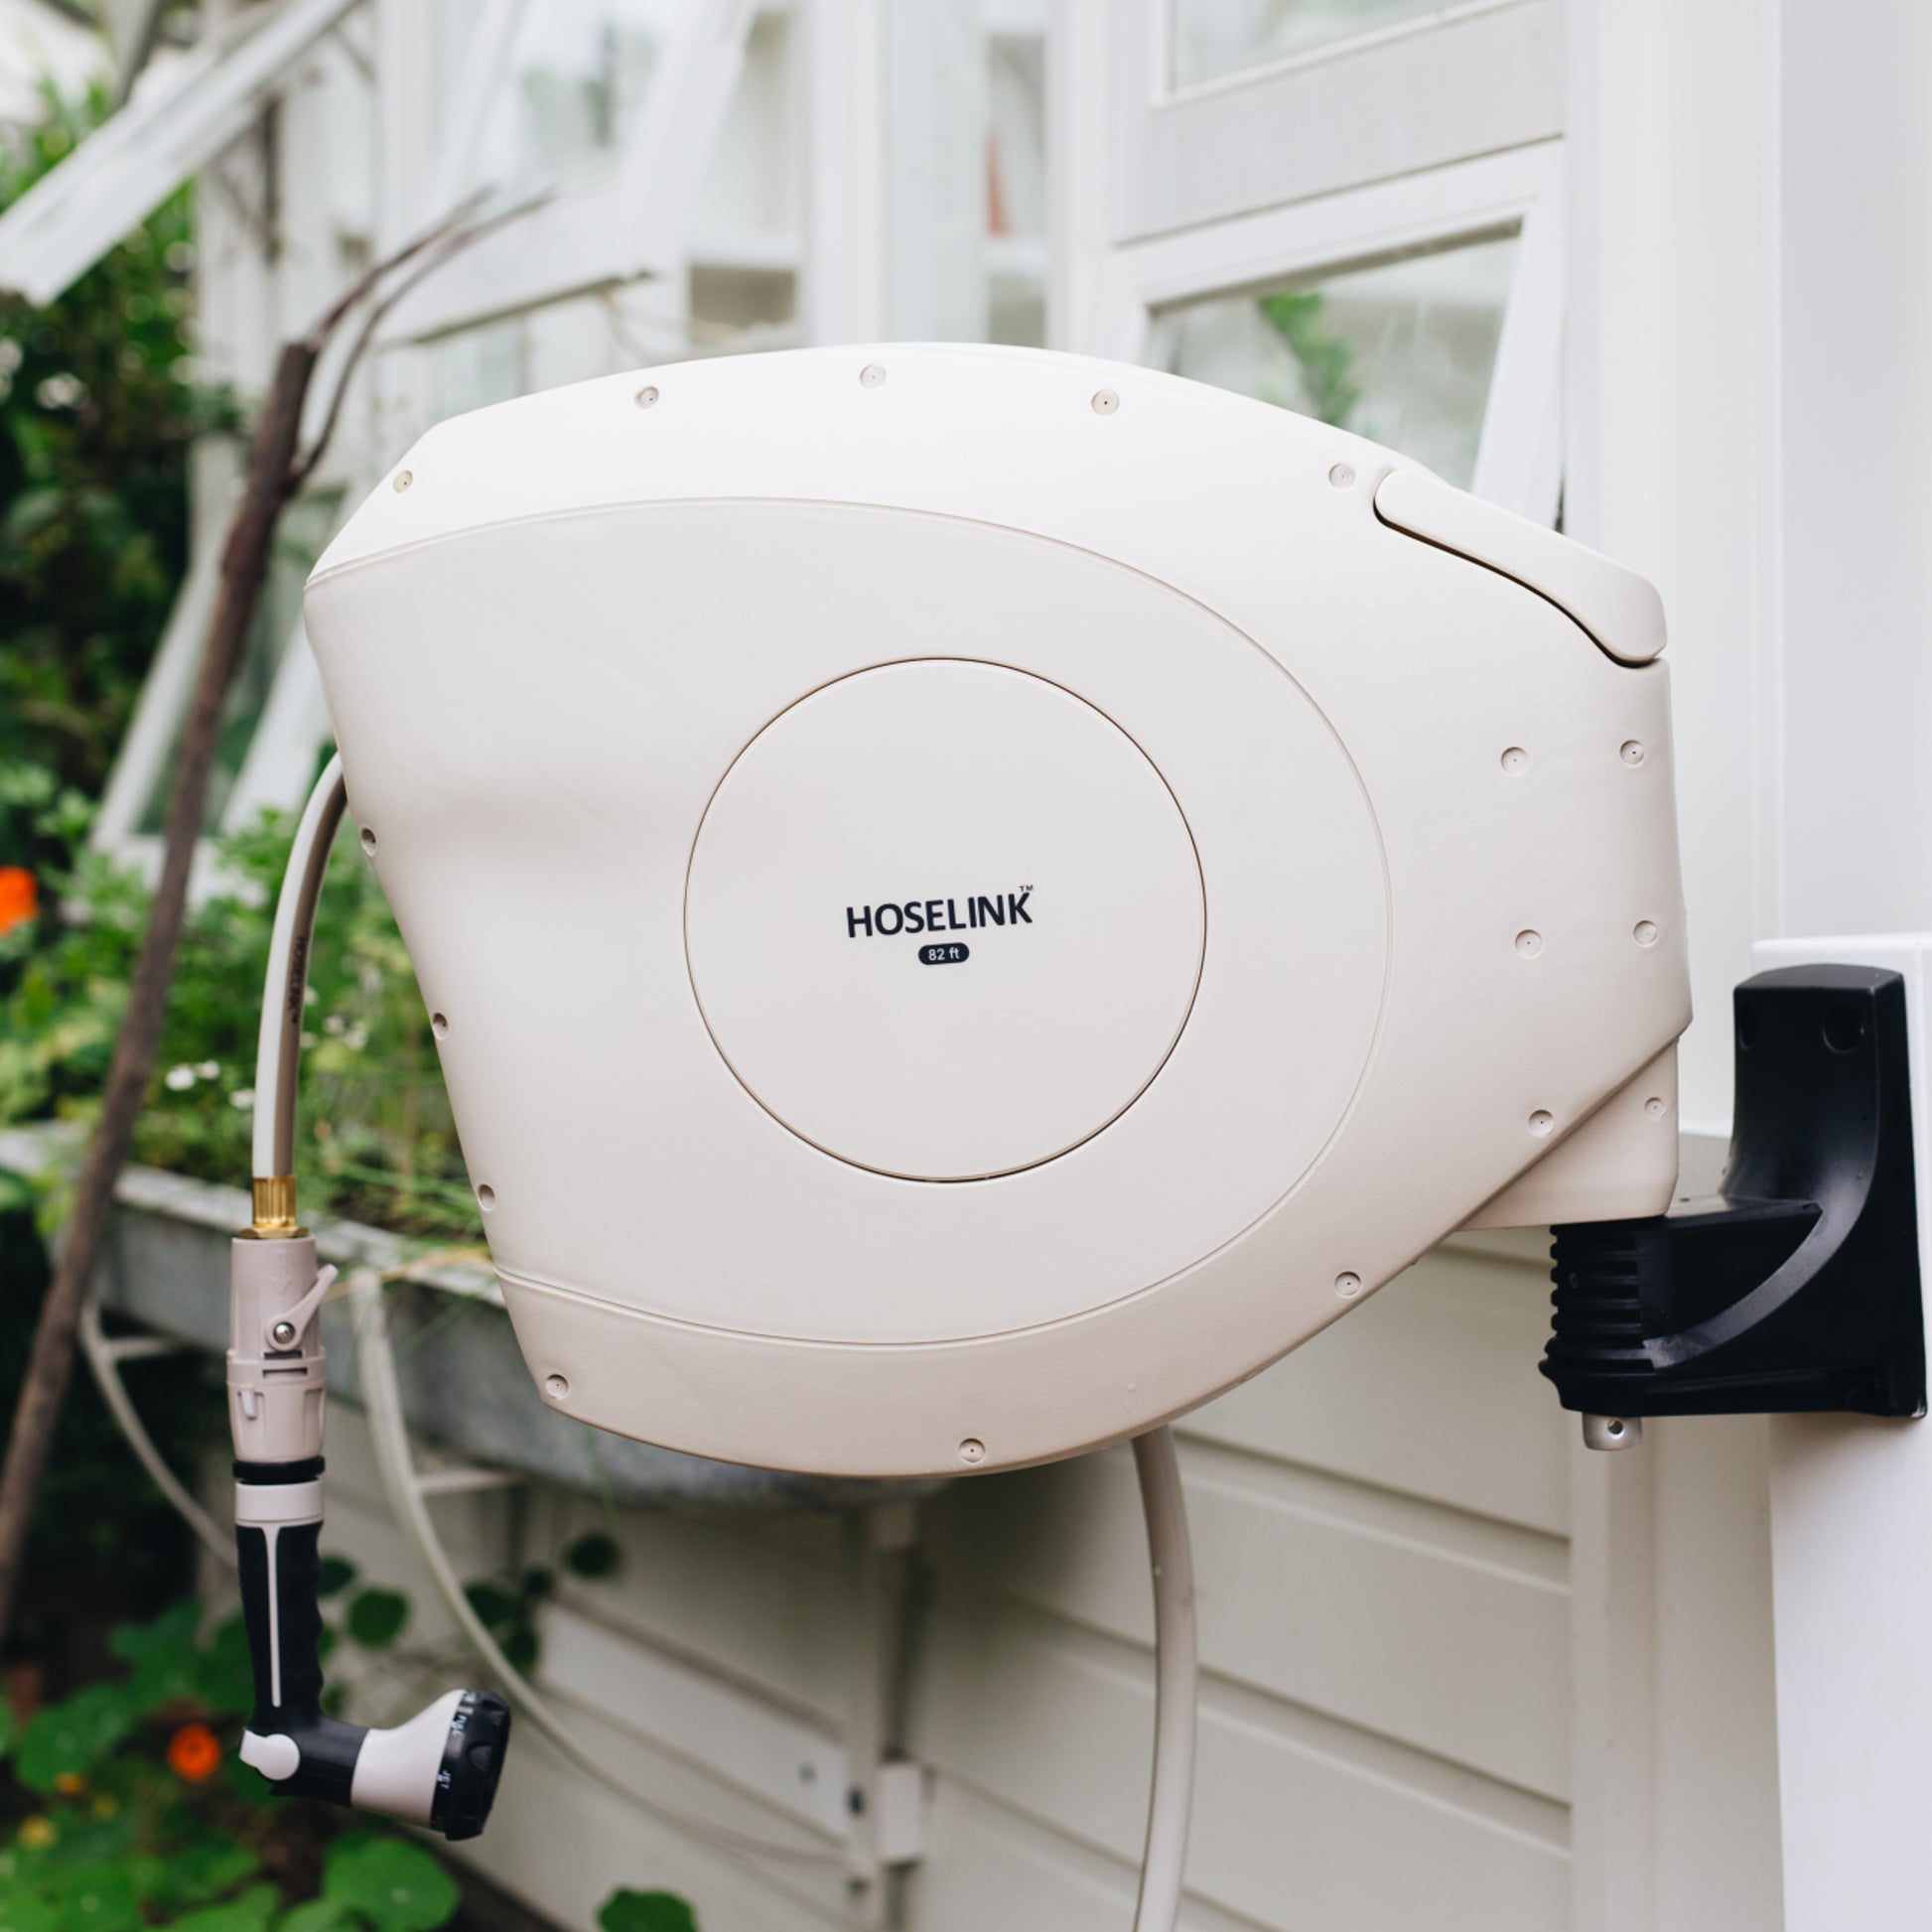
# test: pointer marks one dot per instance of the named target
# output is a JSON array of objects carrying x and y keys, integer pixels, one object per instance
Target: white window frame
[
  {"x": 602, "y": 234},
  {"x": 617, "y": 227},
  {"x": 1471, "y": 79},
  {"x": 122, "y": 172},
  {"x": 1519, "y": 460}
]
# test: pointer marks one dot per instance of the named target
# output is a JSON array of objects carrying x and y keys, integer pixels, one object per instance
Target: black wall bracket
[{"x": 1796, "y": 1285}]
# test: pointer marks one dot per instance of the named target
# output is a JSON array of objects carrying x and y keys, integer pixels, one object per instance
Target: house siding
[{"x": 1381, "y": 1542}]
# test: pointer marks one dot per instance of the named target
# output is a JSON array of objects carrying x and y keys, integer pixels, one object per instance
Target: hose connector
[{"x": 274, "y": 1199}]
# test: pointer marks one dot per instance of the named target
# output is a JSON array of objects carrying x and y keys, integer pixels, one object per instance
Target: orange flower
[
  {"x": 193, "y": 1751},
  {"x": 69, "y": 1784},
  {"x": 19, "y": 897}
]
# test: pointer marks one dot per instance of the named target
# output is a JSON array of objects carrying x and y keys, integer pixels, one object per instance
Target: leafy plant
[
  {"x": 509, "y": 1615},
  {"x": 126, "y": 1810},
  {"x": 593, "y": 1555},
  {"x": 646, "y": 1911},
  {"x": 384, "y": 1882},
  {"x": 120, "y": 1807},
  {"x": 100, "y": 404},
  {"x": 381, "y": 1144},
  {"x": 376, "y": 1618},
  {"x": 1327, "y": 361}
]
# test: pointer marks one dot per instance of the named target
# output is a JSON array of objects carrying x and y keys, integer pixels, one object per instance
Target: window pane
[
  {"x": 1016, "y": 189},
  {"x": 752, "y": 186},
  {"x": 1400, "y": 352},
  {"x": 1209, "y": 39},
  {"x": 738, "y": 290},
  {"x": 573, "y": 83},
  {"x": 742, "y": 290},
  {"x": 474, "y": 367},
  {"x": 966, "y": 252}
]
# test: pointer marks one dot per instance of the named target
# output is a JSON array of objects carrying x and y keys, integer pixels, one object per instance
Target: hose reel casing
[{"x": 965, "y": 924}]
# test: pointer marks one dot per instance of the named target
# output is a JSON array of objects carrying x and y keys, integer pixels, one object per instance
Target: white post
[
  {"x": 1669, "y": 464},
  {"x": 1850, "y": 1500}
]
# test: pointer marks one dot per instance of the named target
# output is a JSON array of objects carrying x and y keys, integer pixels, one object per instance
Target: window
[
  {"x": 1399, "y": 352},
  {"x": 567, "y": 85},
  {"x": 613, "y": 108},
  {"x": 965, "y": 173},
  {"x": 127, "y": 168},
  {"x": 1208, "y": 40},
  {"x": 1016, "y": 214},
  {"x": 1307, "y": 221},
  {"x": 1408, "y": 89},
  {"x": 610, "y": 109}
]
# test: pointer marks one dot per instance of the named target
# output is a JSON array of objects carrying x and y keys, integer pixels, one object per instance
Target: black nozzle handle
[
  {"x": 278, "y": 1533},
  {"x": 439, "y": 1769}
]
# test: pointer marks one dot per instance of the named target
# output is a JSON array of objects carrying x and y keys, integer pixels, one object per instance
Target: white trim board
[{"x": 131, "y": 164}]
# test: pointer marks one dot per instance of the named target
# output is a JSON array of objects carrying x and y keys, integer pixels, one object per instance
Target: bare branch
[
  {"x": 273, "y": 475},
  {"x": 452, "y": 243},
  {"x": 365, "y": 284}
]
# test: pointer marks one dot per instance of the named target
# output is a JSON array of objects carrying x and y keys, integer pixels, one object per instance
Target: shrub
[
  {"x": 128, "y": 1809},
  {"x": 378, "y": 1143}
]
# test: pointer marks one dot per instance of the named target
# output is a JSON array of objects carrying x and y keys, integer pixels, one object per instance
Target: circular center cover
[{"x": 945, "y": 919}]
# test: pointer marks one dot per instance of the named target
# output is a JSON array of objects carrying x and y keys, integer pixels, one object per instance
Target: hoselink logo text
[{"x": 937, "y": 914}]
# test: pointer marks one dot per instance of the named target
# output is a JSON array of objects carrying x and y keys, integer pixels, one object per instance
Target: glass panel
[
  {"x": 1211, "y": 39},
  {"x": 474, "y": 367},
  {"x": 751, "y": 179},
  {"x": 1400, "y": 352},
  {"x": 1016, "y": 189},
  {"x": 741, "y": 291},
  {"x": 966, "y": 252},
  {"x": 573, "y": 83}
]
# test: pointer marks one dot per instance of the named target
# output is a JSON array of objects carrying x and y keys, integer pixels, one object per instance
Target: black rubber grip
[
  {"x": 309, "y": 1469},
  {"x": 288, "y": 1625}
]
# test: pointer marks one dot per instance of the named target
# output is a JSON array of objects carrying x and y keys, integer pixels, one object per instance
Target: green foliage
[
  {"x": 100, "y": 403},
  {"x": 99, "y": 407},
  {"x": 254, "y": 1911},
  {"x": 387, "y": 1883},
  {"x": 646, "y": 1911},
  {"x": 67, "y": 1739},
  {"x": 104, "y": 1834},
  {"x": 337, "y": 1573},
  {"x": 381, "y": 1144},
  {"x": 376, "y": 1618},
  {"x": 510, "y": 1615},
  {"x": 1326, "y": 362},
  {"x": 592, "y": 1556},
  {"x": 110, "y": 1826},
  {"x": 319, "y": 1915},
  {"x": 167, "y": 1661}
]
